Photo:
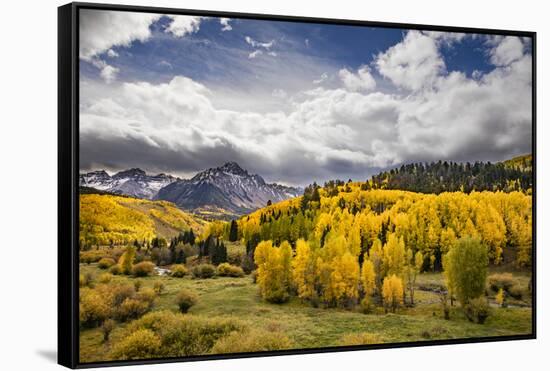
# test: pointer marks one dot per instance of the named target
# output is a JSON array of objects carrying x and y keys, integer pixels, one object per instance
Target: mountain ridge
[{"x": 227, "y": 189}]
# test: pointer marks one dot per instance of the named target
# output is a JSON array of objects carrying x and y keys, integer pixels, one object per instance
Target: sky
[{"x": 294, "y": 102}]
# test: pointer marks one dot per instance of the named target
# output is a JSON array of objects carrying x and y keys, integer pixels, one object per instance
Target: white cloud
[
  {"x": 506, "y": 50},
  {"x": 111, "y": 53},
  {"x": 254, "y": 54},
  {"x": 445, "y": 37},
  {"x": 321, "y": 79},
  {"x": 362, "y": 81},
  {"x": 273, "y": 54},
  {"x": 225, "y": 24},
  {"x": 306, "y": 42},
  {"x": 183, "y": 25},
  {"x": 108, "y": 73},
  {"x": 413, "y": 63},
  {"x": 101, "y": 30},
  {"x": 257, "y": 44},
  {"x": 166, "y": 64}
]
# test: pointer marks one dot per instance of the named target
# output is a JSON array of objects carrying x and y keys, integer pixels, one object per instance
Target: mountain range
[
  {"x": 224, "y": 191},
  {"x": 132, "y": 182}
]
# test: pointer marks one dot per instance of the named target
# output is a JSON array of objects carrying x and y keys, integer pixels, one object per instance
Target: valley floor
[{"x": 309, "y": 327}]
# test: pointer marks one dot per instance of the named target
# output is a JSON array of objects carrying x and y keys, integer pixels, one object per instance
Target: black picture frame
[{"x": 68, "y": 178}]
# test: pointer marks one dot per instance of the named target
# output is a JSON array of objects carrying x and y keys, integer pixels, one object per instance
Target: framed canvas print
[{"x": 237, "y": 185}]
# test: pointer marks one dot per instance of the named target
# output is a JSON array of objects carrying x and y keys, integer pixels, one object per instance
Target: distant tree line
[{"x": 445, "y": 176}]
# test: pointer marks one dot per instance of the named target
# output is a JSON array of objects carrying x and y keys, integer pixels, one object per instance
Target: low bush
[
  {"x": 516, "y": 292},
  {"x": 105, "y": 278},
  {"x": 143, "y": 269},
  {"x": 360, "y": 338},
  {"x": 477, "y": 310},
  {"x": 137, "y": 285},
  {"x": 499, "y": 281},
  {"x": 179, "y": 270},
  {"x": 180, "y": 335},
  {"x": 92, "y": 256},
  {"x": 105, "y": 263},
  {"x": 140, "y": 344},
  {"x": 252, "y": 341},
  {"x": 115, "y": 270},
  {"x": 186, "y": 299},
  {"x": 117, "y": 293},
  {"x": 254, "y": 276},
  {"x": 147, "y": 295},
  {"x": 93, "y": 309},
  {"x": 203, "y": 271},
  {"x": 131, "y": 309},
  {"x": 228, "y": 270},
  {"x": 82, "y": 280},
  {"x": 158, "y": 287}
]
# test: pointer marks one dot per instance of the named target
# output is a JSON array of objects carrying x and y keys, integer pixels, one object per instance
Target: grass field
[{"x": 309, "y": 327}]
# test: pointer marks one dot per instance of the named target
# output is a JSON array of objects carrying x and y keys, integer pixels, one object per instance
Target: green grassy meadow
[{"x": 309, "y": 327}]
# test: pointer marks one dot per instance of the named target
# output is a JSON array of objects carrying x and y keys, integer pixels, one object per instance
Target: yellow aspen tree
[
  {"x": 304, "y": 270},
  {"x": 376, "y": 256},
  {"x": 368, "y": 282},
  {"x": 392, "y": 293},
  {"x": 394, "y": 255}
]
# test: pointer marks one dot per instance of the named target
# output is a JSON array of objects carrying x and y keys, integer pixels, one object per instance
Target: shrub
[
  {"x": 392, "y": 292},
  {"x": 228, "y": 270},
  {"x": 186, "y": 299},
  {"x": 131, "y": 309},
  {"x": 140, "y": 344},
  {"x": 137, "y": 285},
  {"x": 184, "y": 334},
  {"x": 92, "y": 256},
  {"x": 82, "y": 280},
  {"x": 94, "y": 308},
  {"x": 366, "y": 305},
  {"x": 158, "y": 286},
  {"x": 254, "y": 276},
  {"x": 204, "y": 271},
  {"x": 179, "y": 270},
  {"x": 118, "y": 293},
  {"x": 499, "y": 281},
  {"x": 516, "y": 292},
  {"x": 106, "y": 328},
  {"x": 147, "y": 295},
  {"x": 105, "y": 278},
  {"x": 115, "y": 270},
  {"x": 106, "y": 263},
  {"x": 252, "y": 341},
  {"x": 477, "y": 310},
  {"x": 143, "y": 269},
  {"x": 360, "y": 338}
]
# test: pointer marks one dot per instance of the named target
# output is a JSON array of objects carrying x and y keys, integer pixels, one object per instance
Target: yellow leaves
[
  {"x": 368, "y": 277},
  {"x": 394, "y": 255},
  {"x": 340, "y": 285},
  {"x": 274, "y": 264},
  {"x": 304, "y": 270},
  {"x": 106, "y": 220},
  {"x": 392, "y": 292}
]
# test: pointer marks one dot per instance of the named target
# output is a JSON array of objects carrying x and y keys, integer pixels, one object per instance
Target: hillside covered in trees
[
  {"x": 444, "y": 176},
  {"x": 108, "y": 220}
]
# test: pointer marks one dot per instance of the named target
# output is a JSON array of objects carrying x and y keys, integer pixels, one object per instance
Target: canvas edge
[{"x": 68, "y": 342}]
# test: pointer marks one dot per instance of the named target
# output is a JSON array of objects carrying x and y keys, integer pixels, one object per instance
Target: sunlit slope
[{"x": 108, "y": 219}]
